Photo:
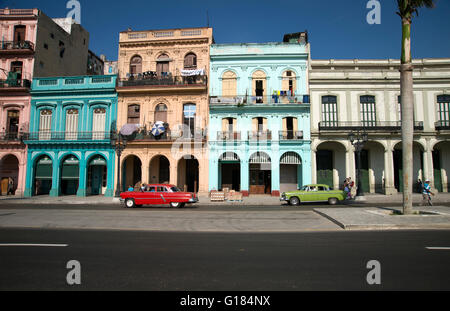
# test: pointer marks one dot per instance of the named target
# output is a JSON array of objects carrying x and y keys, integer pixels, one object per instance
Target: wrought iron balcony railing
[
  {"x": 259, "y": 100},
  {"x": 386, "y": 126},
  {"x": 442, "y": 125},
  {"x": 168, "y": 136},
  {"x": 10, "y": 83},
  {"x": 164, "y": 80},
  {"x": 10, "y": 136},
  {"x": 291, "y": 135},
  {"x": 228, "y": 136},
  {"x": 66, "y": 136},
  {"x": 259, "y": 135},
  {"x": 16, "y": 45}
]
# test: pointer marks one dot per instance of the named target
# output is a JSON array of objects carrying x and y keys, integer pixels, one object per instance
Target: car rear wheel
[
  {"x": 294, "y": 201},
  {"x": 176, "y": 204},
  {"x": 332, "y": 201},
  {"x": 130, "y": 203}
]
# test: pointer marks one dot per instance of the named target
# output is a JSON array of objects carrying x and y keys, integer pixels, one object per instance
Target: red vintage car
[{"x": 158, "y": 194}]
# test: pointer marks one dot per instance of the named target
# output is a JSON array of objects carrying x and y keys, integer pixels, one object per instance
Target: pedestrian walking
[
  {"x": 426, "y": 193},
  {"x": 10, "y": 186}
]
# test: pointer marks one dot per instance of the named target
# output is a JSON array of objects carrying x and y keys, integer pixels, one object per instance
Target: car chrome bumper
[
  {"x": 283, "y": 199},
  {"x": 121, "y": 200},
  {"x": 193, "y": 200}
]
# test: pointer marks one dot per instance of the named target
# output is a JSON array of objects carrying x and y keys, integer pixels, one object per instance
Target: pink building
[{"x": 31, "y": 45}]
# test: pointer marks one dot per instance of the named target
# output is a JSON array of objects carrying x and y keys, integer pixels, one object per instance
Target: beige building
[
  {"x": 364, "y": 95},
  {"x": 163, "y": 91}
]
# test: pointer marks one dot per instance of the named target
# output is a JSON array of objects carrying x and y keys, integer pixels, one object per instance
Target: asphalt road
[{"x": 135, "y": 260}]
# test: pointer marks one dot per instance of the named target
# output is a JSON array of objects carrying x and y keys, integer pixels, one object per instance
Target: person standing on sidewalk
[
  {"x": 10, "y": 186},
  {"x": 426, "y": 193}
]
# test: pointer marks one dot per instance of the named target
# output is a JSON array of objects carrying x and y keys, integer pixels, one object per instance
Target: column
[
  {"x": 81, "y": 192},
  {"x": 313, "y": 166},
  {"x": 213, "y": 174},
  {"x": 350, "y": 163},
  {"x": 244, "y": 177},
  {"x": 110, "y": 173},
  {"x": 145, "y": 170},
  {"x": 275, "y": 175},
  {"x": 173, "y": 172},
  {"x": 389, "y": 184},
  {"x": 29, "y": 177},
  {"x": 428, "y": 166},
  {"x": 54, "y": 191}
]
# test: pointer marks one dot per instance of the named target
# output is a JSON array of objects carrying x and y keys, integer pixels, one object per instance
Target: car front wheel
[
  {"x": 294, "y": 201},
  {"x": 130, "y": 203}
]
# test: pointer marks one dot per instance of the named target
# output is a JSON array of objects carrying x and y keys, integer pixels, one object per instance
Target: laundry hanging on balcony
[
  {"x": 129, "y": 129},
  {"x": 158, "y": 128},
  {"x": 193, "y": 72}
]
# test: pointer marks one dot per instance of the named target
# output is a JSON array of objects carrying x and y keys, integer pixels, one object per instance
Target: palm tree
[{"x": 406, "y": 10}]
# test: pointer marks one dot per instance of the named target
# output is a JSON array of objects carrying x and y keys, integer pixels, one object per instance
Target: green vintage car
[{"x": 313, "y": 193}]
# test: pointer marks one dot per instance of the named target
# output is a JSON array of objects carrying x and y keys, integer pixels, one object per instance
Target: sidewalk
[
  {"x": 253, "y": 200},
  {"x": 380, "y": 218}
]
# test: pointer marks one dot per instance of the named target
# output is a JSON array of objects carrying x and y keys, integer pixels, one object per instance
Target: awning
[{"x": 129, "y": 129}]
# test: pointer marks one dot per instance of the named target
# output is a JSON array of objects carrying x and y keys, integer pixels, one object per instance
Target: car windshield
[
  {"x": 304, "y": 188},
  {"x": 175, "y": 189}
]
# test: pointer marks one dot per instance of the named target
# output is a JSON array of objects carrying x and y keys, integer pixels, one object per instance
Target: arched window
[
  {"x": 17, "y": 67},
  {"x": 136, "y": 65},
  {"x": 134, "y": 112},
  {"x": 98, "y": 123},
  {"x": 189, "y": 112},
  {"x": 229, "y": 84},
  {"x": 71, "y": 124},
  {"x": 162, "y": 65},
  {"x": 45, "y": 124},
  {"x": 161, "y": 113},
  {"x": 190, "y": 61}
]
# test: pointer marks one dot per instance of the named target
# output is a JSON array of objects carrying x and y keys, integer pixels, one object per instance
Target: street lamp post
[
  {"x": 358, "y": 139},
  {"x": 119, "y": 143}
]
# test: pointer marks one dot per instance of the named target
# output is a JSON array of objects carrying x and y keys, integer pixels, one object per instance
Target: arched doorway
[
  {"x": 441, "y": 166},
  {"x": 9, "y": 168},
  {"x": 131, "y": 172},
  {"x": 43, "y": 172},
  {"x": 417, "y": 165},
  {"x": 159, "y": 170},
  {"x": 290, "y": 172},
  {"x": 260, "y": 173},
  {"x": 188, "y": 173},
  {"x": 230, "y": 171},
  {"x": 97, "y": 175},
  {"x": 70, "y": 174},
  {"x": 330, "y": 163}
]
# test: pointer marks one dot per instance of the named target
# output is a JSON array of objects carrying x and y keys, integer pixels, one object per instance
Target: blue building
[
  {"x": 69, "y": 141},
  {"x": 259, "y": 121}
]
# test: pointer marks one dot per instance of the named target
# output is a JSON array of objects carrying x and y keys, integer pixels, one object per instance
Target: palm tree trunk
[{"x": 407, "y": 104}]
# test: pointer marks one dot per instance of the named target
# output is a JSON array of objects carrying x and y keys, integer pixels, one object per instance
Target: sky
[{"x": 337, "y": 29}]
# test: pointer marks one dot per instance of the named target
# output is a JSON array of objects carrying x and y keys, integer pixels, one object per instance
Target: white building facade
[{"x": 364, "y": 95}]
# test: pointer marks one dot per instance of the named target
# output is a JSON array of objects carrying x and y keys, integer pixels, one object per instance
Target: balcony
[
  {"x": 168, "y": 136},
  {"x": 442, "y": 125},
  {"x": 66, "y": 136},
  {"x": 369, "y": 126},
  {"x": 228, "y": 136},
  {"x": 10, "y": 136},
  {"x": 241, "y": 100},
  {"x": 15, "y": 84},
  {"x": 291, "y": 135},
  {"x": 150, "y": 80},
  {"x": 259, "y": 135},
  {"x": 11, "y": 47}
]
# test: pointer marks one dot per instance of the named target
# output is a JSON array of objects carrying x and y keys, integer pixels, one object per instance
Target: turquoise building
[
  {"x": 69, "y": 140},
  {"x": 259, "y": 116}
]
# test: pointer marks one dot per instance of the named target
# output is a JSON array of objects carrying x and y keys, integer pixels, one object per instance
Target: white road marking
[
  {"x": 438, "y": 248},
  {"x": 39, "y": 245}
]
